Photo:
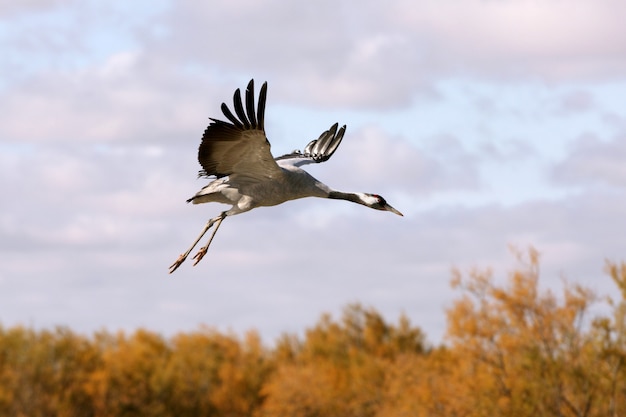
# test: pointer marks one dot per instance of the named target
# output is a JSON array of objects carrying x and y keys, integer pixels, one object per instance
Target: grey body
[{"x": 291, "y": 183}]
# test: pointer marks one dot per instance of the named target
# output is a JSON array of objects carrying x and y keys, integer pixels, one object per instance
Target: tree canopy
[{"x": 510, "y": 349}]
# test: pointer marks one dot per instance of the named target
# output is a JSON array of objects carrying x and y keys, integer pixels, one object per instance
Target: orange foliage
[
  {"x": 511, "y": 349},
  {"x": 340, "y": 369}
]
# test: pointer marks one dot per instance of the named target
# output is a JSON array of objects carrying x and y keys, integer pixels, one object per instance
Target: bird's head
[{"x": 377, "y": 202}]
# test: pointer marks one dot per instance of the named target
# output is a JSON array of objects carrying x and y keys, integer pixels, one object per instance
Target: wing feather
[
  {"x": 250, "y": 104},
  {"x": 230, "y": 116},
  {"x": 261, "y": 107},
  {"x": 318, "y": 150},
  {"x": 239, "y": 149},
  {"x": 239, "y": 109}
]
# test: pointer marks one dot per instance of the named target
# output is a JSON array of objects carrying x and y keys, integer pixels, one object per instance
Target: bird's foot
[
  {"x": 178, "y": 262},
  {"x": 198, "y": 256}
]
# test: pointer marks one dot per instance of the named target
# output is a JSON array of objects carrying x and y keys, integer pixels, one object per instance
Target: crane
[{"x": 237, "y": 154}]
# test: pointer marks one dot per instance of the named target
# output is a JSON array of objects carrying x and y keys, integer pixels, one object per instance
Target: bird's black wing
[
  {"x": 318, "y": 150},
  {"x": 239, "y": 148}
]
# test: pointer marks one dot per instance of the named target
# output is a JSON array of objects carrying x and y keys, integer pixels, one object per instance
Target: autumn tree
[
  {"x": 43, "y": 373},
  {"x": 511, "y": 349},
  {"x": 610, "y": 335},
  {"x": 131, "y": 380},
  {"x": 339, "y": 369},
  {"x": 202, "y": 373},
  {"x": 514, "y": 349},
  {"x": 525, "y": 351},
  {"x": 212, "y": 374}
]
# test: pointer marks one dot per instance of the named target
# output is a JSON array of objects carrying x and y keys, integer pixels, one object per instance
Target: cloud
[
  {"x": 593, "y": 161},
  {"x": 8, "y": 9},
  {"x": 547, "y": 40},
  {"x": 377, "y": 57},
  {"x": 121, "y": 100},
  {"x": 375, "y": 161},
  {"x": 330, "y": 55},
  {"x": 383, "y": 55},
  {"x": 99, "y": 130},
  {"x": 81, "y": 196},
  {"x": 279, "y": 259},
  {"x": 576, "y": 102}
]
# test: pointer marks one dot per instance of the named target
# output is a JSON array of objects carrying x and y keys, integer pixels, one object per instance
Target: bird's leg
[
  {"x": 203, "y": 250},
  {"x": 184, "y": 256}
]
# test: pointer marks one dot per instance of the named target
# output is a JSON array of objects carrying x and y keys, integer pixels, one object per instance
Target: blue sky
[{"x": 488, "y": 124}]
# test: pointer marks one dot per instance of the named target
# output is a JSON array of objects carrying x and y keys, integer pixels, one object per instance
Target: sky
[{"x": 490, "y": 124}]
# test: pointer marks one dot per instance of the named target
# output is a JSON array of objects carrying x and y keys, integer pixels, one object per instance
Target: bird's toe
[
  {"x": 179, "y": 261},
  {"x": 198, "y": 256}
]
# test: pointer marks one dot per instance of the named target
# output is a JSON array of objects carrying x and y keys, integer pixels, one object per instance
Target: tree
[
  {"x": 44, "y": 373},
  {"x": 610, "y": 333},
  {"x": 525, "y": 351},
  {"x": 511, "y": 348},
  {"x": 130, "y": 381},
  {"x": 339, "y": 369},
  {"x": 215, "y": 374}
]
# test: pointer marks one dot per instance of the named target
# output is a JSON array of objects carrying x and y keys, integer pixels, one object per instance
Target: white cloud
[
  {"x": 11, "y": 8},
  {"x": 269, "y": 260},
  {"x": 552, "y": 40},
  {"x": 99, "y": 137},
  {"x": 575, "y": 102},
  {"x": 594, "y": 161},
  {"x": 382, "y": 55},
  {"x": 337, "y": 54},
  {"x": 371, "y": 160},
  {"x": 122, "y": 100}
]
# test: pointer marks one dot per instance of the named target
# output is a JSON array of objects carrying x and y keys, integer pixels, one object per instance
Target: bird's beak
[{"x": 393, "y": 210}]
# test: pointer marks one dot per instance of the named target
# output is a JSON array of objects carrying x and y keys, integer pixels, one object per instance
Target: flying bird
[{"x": 237, "y": 154}]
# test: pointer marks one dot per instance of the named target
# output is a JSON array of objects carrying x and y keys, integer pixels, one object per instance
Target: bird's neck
[{"x": 354, "y": 197}]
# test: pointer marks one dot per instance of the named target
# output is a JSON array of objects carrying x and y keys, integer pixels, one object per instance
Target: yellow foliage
[{"x": 511, "y": 349}]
